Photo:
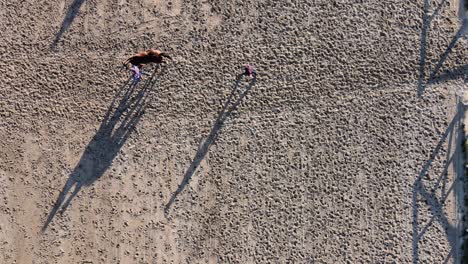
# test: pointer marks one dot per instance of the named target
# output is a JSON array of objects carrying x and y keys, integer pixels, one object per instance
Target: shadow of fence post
[{"x": 436, "y": 205}]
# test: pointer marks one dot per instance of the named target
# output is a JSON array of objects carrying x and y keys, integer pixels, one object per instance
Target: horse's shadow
[{"x": 115, "y": 129}]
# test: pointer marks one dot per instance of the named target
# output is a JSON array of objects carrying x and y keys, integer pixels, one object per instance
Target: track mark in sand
[
  {"x": 7, "y": 231},
  {"x": 212, "y": 20},
  {"x": 32, "y": 151},
  {"x": 146, "y": 26},
  {"x": 172, "y": 8}
]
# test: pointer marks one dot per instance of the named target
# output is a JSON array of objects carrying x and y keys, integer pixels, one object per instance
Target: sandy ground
[{"x": 344, "y": 149}]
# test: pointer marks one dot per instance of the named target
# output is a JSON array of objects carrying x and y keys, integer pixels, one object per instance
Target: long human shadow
[
  {"x": 72, "y": 12},
  {"x": 429, "y": 194},
  {"x": 123, "y": 114},
  {"x": 210, "y": 139}
]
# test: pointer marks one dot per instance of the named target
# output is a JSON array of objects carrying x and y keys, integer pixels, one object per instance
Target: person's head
[{"x": 248, "y": 68}]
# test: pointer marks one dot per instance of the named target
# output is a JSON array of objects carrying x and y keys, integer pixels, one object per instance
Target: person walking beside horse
[
  {"x": 145, "y": 57},
  {"x": 138, "y": 60}
]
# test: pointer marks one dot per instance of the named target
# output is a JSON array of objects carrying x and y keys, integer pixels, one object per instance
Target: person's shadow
[
  {"x": 121, "y": 117},
  {"x": 210, "y": 139},
  {"x": 72, "y": 12}
]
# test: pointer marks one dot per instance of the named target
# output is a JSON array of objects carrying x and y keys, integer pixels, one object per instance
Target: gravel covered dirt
[{"x": 344, "y": 148}]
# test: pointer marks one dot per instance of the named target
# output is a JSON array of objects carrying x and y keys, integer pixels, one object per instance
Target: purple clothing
[
  {"x": 136, "y": 73},
  {"x": 249, "y": 70}
]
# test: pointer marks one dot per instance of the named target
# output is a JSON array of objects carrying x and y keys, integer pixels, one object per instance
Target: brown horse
[{"x": 146, "y": 57}]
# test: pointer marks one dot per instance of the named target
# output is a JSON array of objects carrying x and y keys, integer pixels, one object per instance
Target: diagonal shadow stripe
[
  {"x": 72, "y": 12},
  {"x": 115, "y": 129},
  {"x": 203, "y": 148}
]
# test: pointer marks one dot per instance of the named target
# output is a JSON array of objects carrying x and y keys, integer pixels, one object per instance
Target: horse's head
[{"x": 166, "y": 55}]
